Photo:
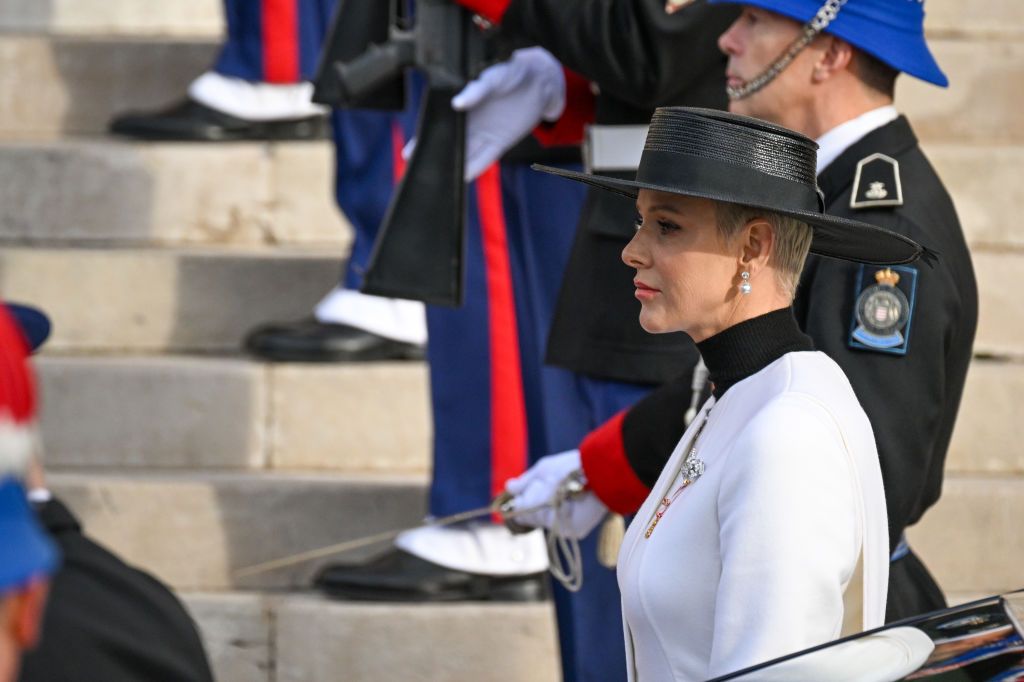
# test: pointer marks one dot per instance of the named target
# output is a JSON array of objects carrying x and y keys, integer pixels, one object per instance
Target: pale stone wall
[{"x": 973, "y": 133}]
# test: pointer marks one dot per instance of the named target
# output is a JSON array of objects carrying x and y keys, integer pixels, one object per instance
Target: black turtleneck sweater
[
  {"x": 746, "y": 348},
  {"x": 731, "y": 356}
]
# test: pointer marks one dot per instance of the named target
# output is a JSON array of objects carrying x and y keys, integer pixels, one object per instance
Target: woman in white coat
[{"x": 773, "y": 498}]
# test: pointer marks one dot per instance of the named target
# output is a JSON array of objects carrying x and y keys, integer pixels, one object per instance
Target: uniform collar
[
  {"x": 746, "y": 348},
  {"x": 838, "y": 140},
  {"x": 892, "y": 138}
]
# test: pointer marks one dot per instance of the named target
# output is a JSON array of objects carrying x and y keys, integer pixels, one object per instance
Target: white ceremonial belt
[{"x": 613, "y": 148}]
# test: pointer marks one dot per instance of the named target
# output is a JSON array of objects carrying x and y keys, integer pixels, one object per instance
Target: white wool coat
[{"x": 751, "y": 560}]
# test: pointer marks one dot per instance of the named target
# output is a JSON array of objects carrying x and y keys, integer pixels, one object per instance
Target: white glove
[
  {"x": 539, "y": 484},
  {"x": 506, "y": 102}
]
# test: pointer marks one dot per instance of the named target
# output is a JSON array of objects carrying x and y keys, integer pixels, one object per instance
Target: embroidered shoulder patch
[
  {"x": 877, "y": 183},
  {"x": 883, "y": 308}
]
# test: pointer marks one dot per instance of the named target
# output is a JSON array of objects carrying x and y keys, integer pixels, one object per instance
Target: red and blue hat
[
  {"x": 34, "y": 324},
  {"x": 889, "y": 30}
]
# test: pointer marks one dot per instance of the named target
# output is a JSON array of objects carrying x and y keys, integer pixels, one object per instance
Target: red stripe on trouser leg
[
  {"x": 508, "y": 411},
  {"x": 280, "y": 40},
  {"x": 397, "y": 145}
]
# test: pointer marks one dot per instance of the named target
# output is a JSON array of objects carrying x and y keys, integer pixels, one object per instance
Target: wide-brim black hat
[{"x": 741, "y": 160}]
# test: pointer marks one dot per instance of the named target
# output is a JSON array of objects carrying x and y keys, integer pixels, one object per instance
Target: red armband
[
  {"x": 609, "y": 475},
  {"x": 492, "y": 10},
  {"x": 579, "y": 111}
]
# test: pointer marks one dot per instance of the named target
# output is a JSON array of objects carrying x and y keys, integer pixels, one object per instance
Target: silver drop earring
[{"x": 745, "y": 287}]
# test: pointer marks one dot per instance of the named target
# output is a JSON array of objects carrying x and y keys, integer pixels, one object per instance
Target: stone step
[
  {"x": 204, "y": 17},
  {"x": 226, "y": 521},
  {"x": 974, "y": 20},
  {"x": 958, "y": 598},
  {"x": 114, "y": 17},
  {"x": 498, "y": 643},
  {"x": 971, "y": 539},
  {"x": 986, "y": 79},
  {"x": 74, "y": 84},
  {"x": 989, "y": 432},
  {"x": 236, "y": 628},
  {"x": 141, "y": 300},
  {"x": 1001, "y": 309},
  {"x": 173, "y": 412},
  {"x": 253, "y": 637},
  {"x": 51, "y": 86},
  {"x": 194, "y": 530},
  {"x": 982, "y": 180},
  {"x": 99, "y": 190},
  {"x": 145, "y": 300},
  {"x": 243, "y": 630}
]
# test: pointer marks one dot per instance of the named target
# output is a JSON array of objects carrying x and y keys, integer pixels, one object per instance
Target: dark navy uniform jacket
[{"x": 911, "y": 393}]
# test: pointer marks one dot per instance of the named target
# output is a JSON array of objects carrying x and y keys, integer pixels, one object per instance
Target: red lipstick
[{"x": 644, "y": 292}]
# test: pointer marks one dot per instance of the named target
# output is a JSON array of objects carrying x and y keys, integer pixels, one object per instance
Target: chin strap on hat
[{"x": 818, "y": 23}]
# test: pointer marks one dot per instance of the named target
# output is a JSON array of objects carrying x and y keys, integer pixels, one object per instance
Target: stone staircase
[
  {"x": 183, "y": 455},
  {"x": 193, "y": 461}
]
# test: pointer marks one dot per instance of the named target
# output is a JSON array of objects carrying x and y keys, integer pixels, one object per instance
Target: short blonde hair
[{"x": 792, "y": 239}]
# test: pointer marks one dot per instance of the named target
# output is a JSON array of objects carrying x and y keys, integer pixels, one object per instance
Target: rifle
[{"x": 420, "y": 247}]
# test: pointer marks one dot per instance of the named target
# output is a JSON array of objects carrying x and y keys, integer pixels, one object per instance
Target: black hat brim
[{"x": 833, "y": 236}]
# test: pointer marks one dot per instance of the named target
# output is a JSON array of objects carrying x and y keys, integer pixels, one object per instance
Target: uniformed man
[{"x": 902, "y": 335}]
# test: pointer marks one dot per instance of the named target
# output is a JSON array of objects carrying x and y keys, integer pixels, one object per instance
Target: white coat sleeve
[{"x": 789, "y": 535}]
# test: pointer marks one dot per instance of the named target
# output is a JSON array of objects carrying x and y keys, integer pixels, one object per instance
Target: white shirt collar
[{"x": 839, "y": 139}]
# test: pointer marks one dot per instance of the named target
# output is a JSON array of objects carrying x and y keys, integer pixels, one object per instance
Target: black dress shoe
[
  {"x": 190, "y": 120},
  {"x": 310, "y": 340},
  {"x": 400, "y": 576}
]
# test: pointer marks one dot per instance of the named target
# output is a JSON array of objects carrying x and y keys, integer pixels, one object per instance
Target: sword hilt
[
  {"x": 572, "y": 486},
  {"x": 504, "y": 508}
]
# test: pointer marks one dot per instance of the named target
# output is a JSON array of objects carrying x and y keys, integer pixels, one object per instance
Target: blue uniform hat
[
  {"x": 890, "y": 30},
  {"x": 26, "y": 551}
]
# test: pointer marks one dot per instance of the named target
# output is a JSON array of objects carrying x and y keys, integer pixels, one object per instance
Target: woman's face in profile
[{"x": 685, "y": 272}]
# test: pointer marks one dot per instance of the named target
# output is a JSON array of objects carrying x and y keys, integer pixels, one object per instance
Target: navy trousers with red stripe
[
  {"x": 275, "y": 41},
  {"x": 368, "y": 147}
]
